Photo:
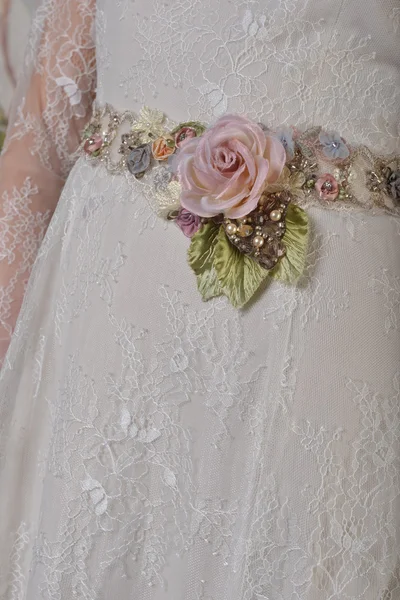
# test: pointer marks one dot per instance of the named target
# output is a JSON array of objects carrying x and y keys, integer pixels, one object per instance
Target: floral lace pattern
[
  {"x": 285, "y": 63},
  {"x": 169, "y": 451},
  {"x": 155, "y": 447},
  {"x": 51, "y": 106}
]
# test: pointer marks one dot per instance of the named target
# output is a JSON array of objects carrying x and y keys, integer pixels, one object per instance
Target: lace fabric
[
  {"x": 294, "y": 62},
  {"x": 52, "y": 105},
  {"x": 155, "y": 447}
]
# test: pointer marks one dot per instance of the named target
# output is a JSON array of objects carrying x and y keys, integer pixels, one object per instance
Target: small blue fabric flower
[
  {"x": 285, "y": 135},
  {"x": 333, "y": 145}
]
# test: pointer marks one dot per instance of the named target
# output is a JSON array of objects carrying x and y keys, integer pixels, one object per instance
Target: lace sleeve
[{"x": 51, "y": 106}]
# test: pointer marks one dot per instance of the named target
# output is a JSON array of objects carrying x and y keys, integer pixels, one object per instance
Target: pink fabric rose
[
  {"x": 188, "y": 222},
  {"x": 327, "y": 187},
  {"x": 227, "y": 169},
  {"x": 93, "y": 144}
]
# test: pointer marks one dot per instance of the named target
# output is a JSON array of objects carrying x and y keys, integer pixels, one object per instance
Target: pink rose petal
[{"x": 226, "y": 170}]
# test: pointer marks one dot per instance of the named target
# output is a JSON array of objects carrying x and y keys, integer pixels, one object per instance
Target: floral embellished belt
[{"x": 239, "y": 189}]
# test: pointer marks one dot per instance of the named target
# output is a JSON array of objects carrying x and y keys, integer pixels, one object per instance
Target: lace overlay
[
  {"x": 279, "y": 63},
  {"x": 155, "y": 447},
  {"x": 51, "y": 106}
]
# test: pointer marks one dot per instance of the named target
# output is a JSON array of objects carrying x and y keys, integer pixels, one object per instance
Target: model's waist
[{"x": 320, "y": 167}]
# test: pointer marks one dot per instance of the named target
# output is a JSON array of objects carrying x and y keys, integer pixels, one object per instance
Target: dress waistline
[
  {"x": 238, "y": 189},
  {"x": 321, "y": 168}
]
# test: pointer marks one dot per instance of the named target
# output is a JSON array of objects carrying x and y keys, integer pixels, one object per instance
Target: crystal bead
[
  {"x": 281, "y": 250},
  {"x": 270, "y": 229},
  {"x": 245, "y": 230}
]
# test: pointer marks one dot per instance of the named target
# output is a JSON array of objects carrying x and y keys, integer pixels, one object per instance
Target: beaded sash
[{"x": 239, "y": 189}]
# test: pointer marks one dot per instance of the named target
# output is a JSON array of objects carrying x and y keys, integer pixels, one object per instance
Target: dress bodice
[{"x": 297, "y": 62}]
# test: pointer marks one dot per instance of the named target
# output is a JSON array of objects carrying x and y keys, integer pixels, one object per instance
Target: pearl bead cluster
[{"x": 260, "y": 233}]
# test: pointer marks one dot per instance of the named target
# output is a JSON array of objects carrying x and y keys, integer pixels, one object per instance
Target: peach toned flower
[
  {"x": 327, "y": 187},
  {"x": 161, "y": 149},
  {"x": 227, "y": 169}
]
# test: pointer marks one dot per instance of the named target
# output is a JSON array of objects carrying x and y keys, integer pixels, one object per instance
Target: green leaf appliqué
[
  {"x": 221, "y": 268},
  {"x": 239, "y": 276},
  {"x": 201, "y": 258},
  {"x": 291, "y": 266}
]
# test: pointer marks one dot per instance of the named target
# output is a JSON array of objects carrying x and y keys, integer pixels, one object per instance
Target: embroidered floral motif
[
  {"x": 233, "y": 189},
  {"x": 183, "y": 134},
  {"x": 260, "y": 234},
  {"x": 93, "y": 144},
  {"x": 162, "y": 148},
  {"x": 384, "y": 178},
  {"x": 365, "y": 181}
]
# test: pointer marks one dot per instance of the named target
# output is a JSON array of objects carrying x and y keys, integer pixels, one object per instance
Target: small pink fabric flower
[
  {"x": 185, "y": 133},
  {"x": 188, "y": 222},
  {"x": 327, "y": 187},
  {"x": 93, "y": 144},
  {"x": 227, "y": 169}
]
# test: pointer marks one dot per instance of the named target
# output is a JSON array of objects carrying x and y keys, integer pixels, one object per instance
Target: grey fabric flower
[
  {"x": 139, "y": 159},
  {"x": 394, "y": 185}
]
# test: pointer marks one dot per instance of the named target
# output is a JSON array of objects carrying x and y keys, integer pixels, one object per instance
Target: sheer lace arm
[{"x": 51, "y": 106}]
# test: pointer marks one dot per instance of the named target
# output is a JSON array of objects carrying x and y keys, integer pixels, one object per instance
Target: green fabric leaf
[
  {"x": 201, "y": 259},
  {"x": 291, "y": 267},
  {"x": 239, "y": 276},
  {"x": 221, "y": 268}
]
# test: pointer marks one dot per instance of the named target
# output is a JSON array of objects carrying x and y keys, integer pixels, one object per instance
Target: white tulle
[{"x": 155, "y": 447}]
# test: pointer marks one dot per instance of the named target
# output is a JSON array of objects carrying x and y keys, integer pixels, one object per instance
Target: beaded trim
[
  {"x": 238, "y": 189},
  {"x": 321, "y": 168}
]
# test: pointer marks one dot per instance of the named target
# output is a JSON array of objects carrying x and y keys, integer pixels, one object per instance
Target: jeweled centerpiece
[
  {"x": 238, "y": 189},
  {"x": 259, "y": 235}
]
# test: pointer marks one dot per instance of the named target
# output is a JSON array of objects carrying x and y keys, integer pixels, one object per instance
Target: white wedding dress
[{"x": 156, "y": 447}]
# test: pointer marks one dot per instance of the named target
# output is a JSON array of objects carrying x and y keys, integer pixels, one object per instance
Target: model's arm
[{"x": 51, "y": 106}]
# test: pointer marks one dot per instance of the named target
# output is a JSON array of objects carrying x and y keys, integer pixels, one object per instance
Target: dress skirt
[{"x": 157, "y": 447}]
